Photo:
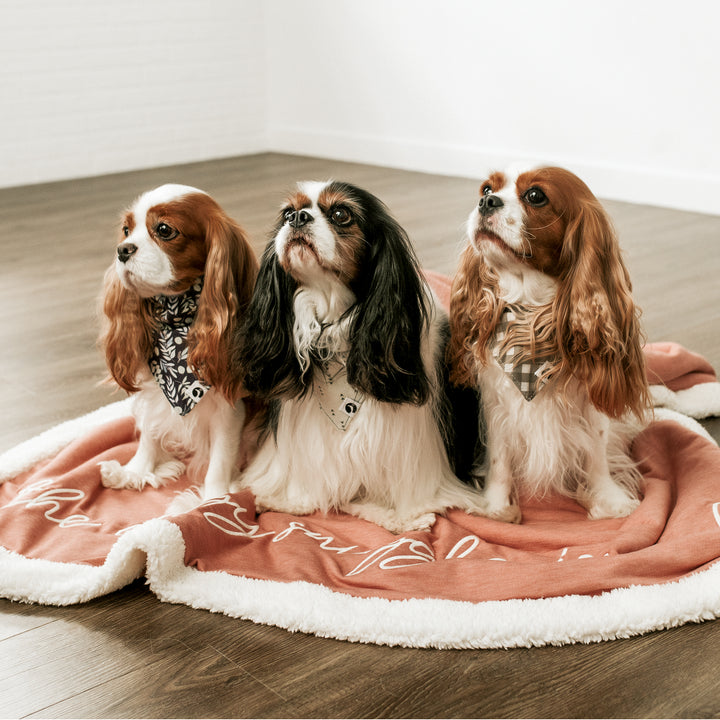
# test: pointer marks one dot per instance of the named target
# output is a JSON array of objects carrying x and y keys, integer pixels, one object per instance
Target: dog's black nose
[
  {"x": 125, "y": 251},
  {"x": 489, "y": 204},
  {"x": 298, "y": 218}
]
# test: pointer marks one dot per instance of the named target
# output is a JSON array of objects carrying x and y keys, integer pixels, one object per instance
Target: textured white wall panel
[{"x": 89, "y": 87}]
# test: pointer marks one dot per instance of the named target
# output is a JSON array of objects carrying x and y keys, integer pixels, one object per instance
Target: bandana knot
[{"x": 169, "y": 364}]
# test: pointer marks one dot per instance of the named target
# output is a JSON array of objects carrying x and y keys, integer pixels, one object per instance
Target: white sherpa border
[
  {"x": 434, "y": 623},
  {"x": 158, "y": 546},
  {"x": 420, "y": 623},
  {"x": 57, "y": 583},
  {"x": 698, "y": 401}
]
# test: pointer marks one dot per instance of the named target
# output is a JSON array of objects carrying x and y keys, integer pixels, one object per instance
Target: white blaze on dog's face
[
  {"x": 320, "y": 234},
  {"x": 497, "y": 217},
  {"x": 162, "y": 240}
]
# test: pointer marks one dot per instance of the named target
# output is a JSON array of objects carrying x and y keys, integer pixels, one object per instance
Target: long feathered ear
[
  {"x": 474, "y": 313},
  {"x": 390, "y": 318},
  {"x": 127, "y": 332},
  {"x": 263, "y": 349},
  {"x": 230, "y": 272},
  {"x": 598, "y": 326}
]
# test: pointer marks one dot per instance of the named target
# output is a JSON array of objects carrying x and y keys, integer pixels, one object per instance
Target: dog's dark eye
[
  {"x": 486, "y": 189},
  {"x": 126, "y": 230},
  {"x": 287, "y": 212},
  {"x": 165, "y": 232},
  {"x": 340, "y": 215},
  {"x": 535, "y": 197}
]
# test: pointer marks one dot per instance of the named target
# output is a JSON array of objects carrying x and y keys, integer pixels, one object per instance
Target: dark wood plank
[{"x": 130, "y": 656}]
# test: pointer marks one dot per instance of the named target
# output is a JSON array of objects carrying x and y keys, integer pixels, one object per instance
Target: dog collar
[
  {"x": 339, "y": 400},
  {"x": 169, "y": 365},
  {"x": 528, "y": 375}
]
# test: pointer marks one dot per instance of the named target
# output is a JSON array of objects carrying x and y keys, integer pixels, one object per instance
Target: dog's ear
[
  {"x": 230, "y": 272},
  {"x": 597, "y": 321},
  {"x": 127, "y": 332},
  {"x": 474, "y": 313},
  {"x": 391, "y": 316},
  {"x": 263, "y": 349}
]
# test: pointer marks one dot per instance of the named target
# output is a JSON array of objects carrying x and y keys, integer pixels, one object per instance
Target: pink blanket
[{"x": 64, "y": 538}]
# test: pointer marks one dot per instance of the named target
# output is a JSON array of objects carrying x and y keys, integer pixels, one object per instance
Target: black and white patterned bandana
[
  {"x": 526, "y": 375},
  {"x": 169, "y": 366}
]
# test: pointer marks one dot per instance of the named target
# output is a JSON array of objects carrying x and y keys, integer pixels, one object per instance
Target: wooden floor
[{"x": 128, "y": 655}]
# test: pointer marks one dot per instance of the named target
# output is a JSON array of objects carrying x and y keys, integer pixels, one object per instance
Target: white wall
[
  {"x": 623, "y": 91},
  {"x": 626, "y": 92},
  {"x": 95, "y": 86}
]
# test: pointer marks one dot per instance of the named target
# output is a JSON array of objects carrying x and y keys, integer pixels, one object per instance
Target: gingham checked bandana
[
  {"x": 175, "y": 314},
  {"x": 525, "y": 375}
]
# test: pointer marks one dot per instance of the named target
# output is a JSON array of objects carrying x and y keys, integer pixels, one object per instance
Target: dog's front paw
[
  {"x": 281, "y": 504},
  {"x": 389, "y": 519},
  {"x": 122, "y": 477},
  {"x": 500, "y": 505},
  {"x": 614, "y": 502},
  {"x": 509, "y": 513},
  {"x": 421, "y": 522},
  {"x": 118, "y": 477}
]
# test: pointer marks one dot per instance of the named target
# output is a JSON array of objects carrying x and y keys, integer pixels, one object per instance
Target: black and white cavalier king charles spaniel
[
  {"x": 181, "y": 280},
  {"x": 346, "y": 342},
  {"x": 544, "y": 324}
]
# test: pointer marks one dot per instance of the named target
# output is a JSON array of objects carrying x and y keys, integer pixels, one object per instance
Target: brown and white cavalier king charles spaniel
[
  {"x": 346, "y": 342},
  {"x": 181, "y": 280},
  {"x": 543, "y": 323}
]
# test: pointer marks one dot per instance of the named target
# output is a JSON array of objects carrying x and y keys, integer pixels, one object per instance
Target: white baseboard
[
  {"x": 647, "y": 186},
  {"x": 642, "y": 185},
  {"x": 46, "y": 167}
]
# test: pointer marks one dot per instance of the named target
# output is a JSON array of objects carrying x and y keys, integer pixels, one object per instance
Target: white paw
[
  {"x": 117, "y": 476},
  {"x": 508, "y": 512},
  {"x": 389, "y": 519},
  {"x": 608, "y": 499},
  {"x": 420, "y": 522},
  {"x": 274, "y": 503},
  {"x": 499, "y": 505},
  {"x": 615, "y": 503}
]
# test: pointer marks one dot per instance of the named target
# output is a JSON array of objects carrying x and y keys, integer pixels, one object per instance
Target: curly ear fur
[
  {"x": 230, "y": 272},
  {"x": 263, "y": 349},
  {"x": 598, "y": 329},
  {"x": 474, "y": 313},
  {"x": 390, "y": 317},
  {"x": 127, "y": 333}
]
